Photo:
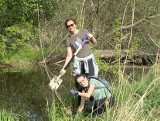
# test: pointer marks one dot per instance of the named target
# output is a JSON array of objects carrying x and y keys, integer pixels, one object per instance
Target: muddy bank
[{"x": 13, "y": 64}]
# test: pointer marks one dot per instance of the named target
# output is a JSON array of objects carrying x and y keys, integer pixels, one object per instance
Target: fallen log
[
  {"x": 112, "y": 57},
  {"x": 53, "y": 59},
  {"x": 138, "y": 58}
]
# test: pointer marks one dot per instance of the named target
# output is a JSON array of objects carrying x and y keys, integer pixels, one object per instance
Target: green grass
[
  {"x": 135, "y": 101},
  {"x": 8, "y": 116},
  {"x": 23, "y": 60},
  {"x": 25, "y": 54}
]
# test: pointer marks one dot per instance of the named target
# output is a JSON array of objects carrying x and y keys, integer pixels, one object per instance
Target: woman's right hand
[
  {"x": 62, "y": 72},
  {"x": 80, "y": 108}
]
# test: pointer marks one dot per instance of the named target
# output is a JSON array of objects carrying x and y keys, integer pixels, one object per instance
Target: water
[{"x": 25, "y": 92}]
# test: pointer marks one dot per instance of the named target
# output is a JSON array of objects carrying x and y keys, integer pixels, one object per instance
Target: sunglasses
[{"x": 70, "y": 25}]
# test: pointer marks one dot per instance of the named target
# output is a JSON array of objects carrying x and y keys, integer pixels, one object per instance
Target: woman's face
[
  {"x": 82, "y": 81},
  {"x": 71, "y": 26}
]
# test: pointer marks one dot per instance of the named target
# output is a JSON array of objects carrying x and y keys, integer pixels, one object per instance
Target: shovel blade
[{"x": 55, "y": 83}]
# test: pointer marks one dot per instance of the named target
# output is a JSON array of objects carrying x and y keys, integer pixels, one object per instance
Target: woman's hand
[
  {"x": 62, "y": 72},
  {"x": 92, "y": 38},
  {"x": 73, "y": 92},
  {"x": 80, "y": 108},
  {"x": 89, "y": 36}
]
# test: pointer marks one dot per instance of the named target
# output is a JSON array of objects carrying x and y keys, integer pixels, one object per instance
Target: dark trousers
[
  {"x": 91, "y": 68},
  {"x": 96, "y": 106}
]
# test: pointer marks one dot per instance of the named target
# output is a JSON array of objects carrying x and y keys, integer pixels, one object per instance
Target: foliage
[
  {"x": 25, "y": 54},
  {"x": 117, "y": 33},
  {"x": 102, "y": 65},
  {"x": 17, "y": 37},
  {"x": 19, "y": 22},
  {"x": 17, "y": 12},
  {"x": 135, "y": 44},
  {"x": 8, "y": 116},
  {"x": 108, "y": 20}
]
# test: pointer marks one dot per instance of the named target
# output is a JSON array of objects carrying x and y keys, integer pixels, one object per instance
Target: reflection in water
[
  {"x": 25, "y": 92},
  {"x": 31, "y": 115}
]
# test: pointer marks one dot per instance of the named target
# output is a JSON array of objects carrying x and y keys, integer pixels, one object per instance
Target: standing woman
[{"x": 84, "y": 62}]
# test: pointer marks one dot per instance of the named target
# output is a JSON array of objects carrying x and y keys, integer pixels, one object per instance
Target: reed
[
  {"x": 135, "y": 101},
  {"x": 7, "y": 116}
]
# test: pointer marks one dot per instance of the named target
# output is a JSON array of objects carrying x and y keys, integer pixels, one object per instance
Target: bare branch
[
  {"x": 140, "y": 21},
  {"x": 152, "y": 24},
  {"x": 132, "y": 25}
]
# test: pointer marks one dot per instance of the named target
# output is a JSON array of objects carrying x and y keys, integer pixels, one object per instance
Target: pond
[{"x": 25, "y": 92}]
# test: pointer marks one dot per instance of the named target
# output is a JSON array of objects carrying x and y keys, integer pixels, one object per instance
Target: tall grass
[
  {"x": 135, "y": 101},
  {"x": 7, "y": 116}
]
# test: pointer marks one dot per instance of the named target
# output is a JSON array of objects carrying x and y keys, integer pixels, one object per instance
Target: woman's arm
[
  {"x": 68, "y": 56},
  {"x": 81, "y": 106},
  {"x": 87, "y": 94}
]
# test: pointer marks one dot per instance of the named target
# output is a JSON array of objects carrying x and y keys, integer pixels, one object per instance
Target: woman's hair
[
  {"x": 79, "y": 75},
  {"x": 70, "y": 19}
]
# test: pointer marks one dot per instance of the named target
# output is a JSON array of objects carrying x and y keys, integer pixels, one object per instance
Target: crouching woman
[{"x": 95, "y": 91}]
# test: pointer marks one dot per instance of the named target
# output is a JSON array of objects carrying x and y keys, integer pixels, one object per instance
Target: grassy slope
[{"x": 135, "y": 101}]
